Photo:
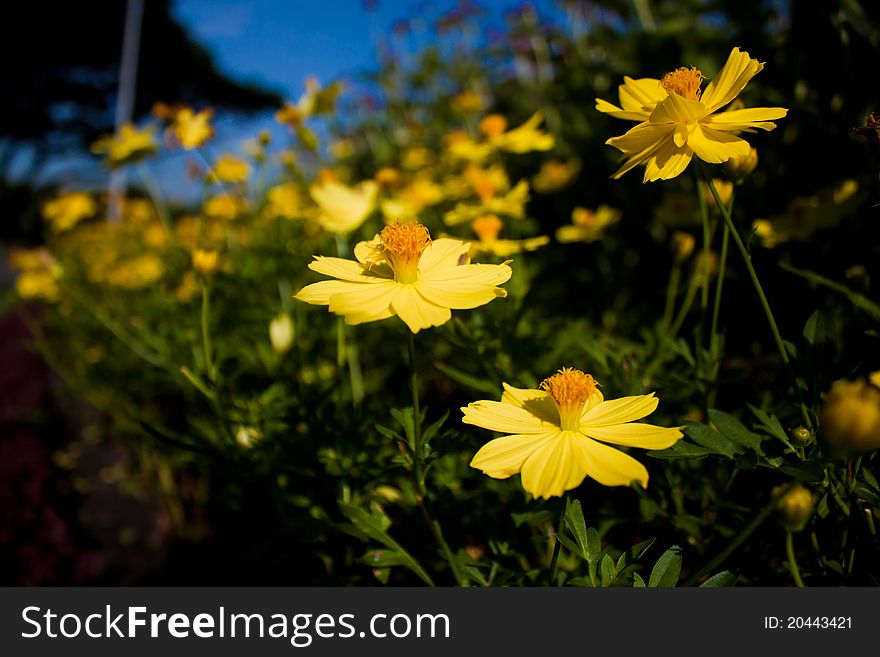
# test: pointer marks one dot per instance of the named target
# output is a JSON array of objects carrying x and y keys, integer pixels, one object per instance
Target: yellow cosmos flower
[
  {"x": 67, "y": 210},
  {"x": 283, "y": 201},
  {"x": 740, "y": 167},
  {"x": 343, "y": 208},
  {"x": 231, "y": 169},
  {"x": 679, "y": 120},
  {"x": 224, "y": 206},
  {"x": 412, "y": 199},
  {"x": 403, "y": 272},
  {"x": 205, "y": 261},
  {"x": 559, "y": 434},
  {"x": 851, "y": 415},
  {"x": 128, "y": 145},
  {"x": 555, "y": 175},
  {"x": 191, "y": 129},
  {"x": 487, "y": 229},
  {"x": 587, "y": 225},
  {"x": 512, "y": 204},
  {"x": 522, "y": 139}
]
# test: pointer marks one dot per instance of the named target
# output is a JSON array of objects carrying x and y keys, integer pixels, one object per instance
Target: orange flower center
[
  {"x": 570, "y": 389},
  {"x": 493, "y": 125},
  {"x": 487, "y": 227},
  {"x": 684, "y": 82},
  {"x": 403, "y": 245}
]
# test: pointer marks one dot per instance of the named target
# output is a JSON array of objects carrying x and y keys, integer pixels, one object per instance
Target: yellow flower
[
  {"x": 683, "y": 245},
  {"x": 343, "y": 208},
  {"x": 586, "y": 225},
  {"x": 467, "y": 102},
  {"x": 138, "y": 272},
  {"x": 555, "y": 175},
  {"x": 283, "y": 201},
  {"x": 403, "y": 272},
  {"x": 560, "y": 431},
  {"x": 806, "y": 215},
  {"x": 412, "y": 199},
  {"x": 512, "y": 204},
  {"x": 523, "y": 139},
  {"x": 188, "y": 288},
  {"x": 387, "y": 176},
  {"x": 724, "y": 189},
  {"x": 231, "y": 169},
  {"x": 191, "y": 129},
  {"x": 796, "y": 506},
  {"x": 128, "y": 145},
  {"x": 488, "y": 227},
  {"x": 67, "y": 210},
  {"x": 205, "y": 262},
  {"x": 679, "y": 120},
  {"x": 224, "y": 206},
  {"x": 851, "y": 415}
]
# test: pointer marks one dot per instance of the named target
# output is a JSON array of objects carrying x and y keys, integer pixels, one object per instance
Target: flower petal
[
  {"x": 668, "y": 162},
  {"x": 715, "y": 146},
  {"x": 319, "y": 293},
  {"x": 746, "y": 119},
  {"x": 537, "y": 402},
  {"x": 370, "y": 299},
  {"x": 416, "y": 311},
  {"x": 641, "y": 137},
  {"x": 503, "y": 457},
  {"x": 678, "y": 110},
  {"x": 555, "y": 466},
  {"x": 640, "y": 94},
  {"x": 347, "y": 270},
  {"x": 731, "y": 80},
  {"x": 608, "y": 466},
  {"x": 635, "y": 434},
  {"x": 466, "y": 286},
  {"x": 618, "y": 411},
  {"x": 442, "y": 255},
  {"x": 498, "y": 416}
]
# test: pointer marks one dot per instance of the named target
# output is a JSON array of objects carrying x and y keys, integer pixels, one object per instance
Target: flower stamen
[
  {"x": 570, "y": 389},
  {"x": 403, "y": 245},
  {"x": 684, "y": 82}
]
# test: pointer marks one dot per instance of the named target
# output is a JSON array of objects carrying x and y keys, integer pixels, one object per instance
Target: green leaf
[
  {"x": 478, "y": 383},
  {"x": 608, "y": 571},
  {"x": 574, "y": 520},
  {"x": 709, "y": 438},
  {"x": 772, "y": 425},
  {"x": 735, "y": 430},
  {"x": 638, "y": 582},
  {"x": 681, "y": 450},
  {"x": 860, "y": 301},
  {"x": 667, "y": 569},
  {"x": 631, "y": 555},
  {"x": 374, "y": 527},
  {"x": 814, "y": 329},
  {"x": 722, "y": 579},
  {"x": 594, "y": 545}
]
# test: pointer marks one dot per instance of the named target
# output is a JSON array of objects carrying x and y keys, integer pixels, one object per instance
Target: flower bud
[
  {"x": 205, "y": 262},
  {"x": 851, "y": 415},
  {"x": 740, "y": 167},
  {"x": 281, "y": 333},
  {"x": 796, "y": 506},
  {"x": 801, "y": 436}
]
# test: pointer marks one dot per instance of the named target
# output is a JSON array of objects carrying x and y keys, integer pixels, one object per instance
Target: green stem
[
  {"x": 671, "y": 292},
  {"x": 719, "y": 283},
  {"x": 780, "y": 345},
  {"x": 689, "y": 298},
  {"x": 557, "y": 545},
  {"x": 418, "y": 469},
  {"x": 206, "y": 335},
  {"x": 792, "y": 560}
]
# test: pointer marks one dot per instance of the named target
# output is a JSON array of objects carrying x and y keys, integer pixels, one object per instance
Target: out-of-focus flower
[
  {"x": 486, "y": 182},
  {"x": 679, "y": 120},
  {"x": 522, "y": 139},
  {"x": 741, "y": 166},
  {"x": 136, "y": 273},
  {"x": 512, "y": 204},
  {"x": 724, "y": 189},
  {"x": 342, "y": 148},
  {"x": 188, "y": 129},
  {"x": 343, "y": 208},
  {"x": 487, "y": 229},
  {"x": 682, "y": 245},
  {"x": 467, "y": 102},
  {"x": 412, "y": 199},
  {"x": 416, "y": 157},
  {"x": 387, "y": 176},
  {"x": 851, "y": 415},
  {"x": 795, "y": 506},
  {"x": 188, "y": 288},
  {"x": 231, "y": 169},
  {"x": 587, "y": 225},
  {"x": 224, "y": 206},
  {"x": 284, "y": 201},
  {"x": 205, "y": 261},
  {"x": 248, "y": 436},
  {"x": 67, "y": 210},
  {"x": 403, "y": 272},
  {"x": 560, "y": 433},
  {"x": 460, "y": 145},
  {"x": 315, "y": 101},
  {"x": 127, "y": 146},
  {"x": 555, "y": 175},
  {"x": 807, "y": 215},
  {"x": 39, "y": 273},
  {"x": 281, "y": 333}
]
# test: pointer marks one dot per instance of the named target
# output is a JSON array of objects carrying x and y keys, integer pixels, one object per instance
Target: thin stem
[
  {"x": 719, "y": 283},
  {"x": 206, "y": 335},
  {"x": 792, "y": 560},
  {"x": 418, "y": 469},
  {"x": 689, "y": 298},
  {"x": 671, "y": 291},
  {"x": 780, "y": 345},
  {"x": 557, "y": 546}
]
